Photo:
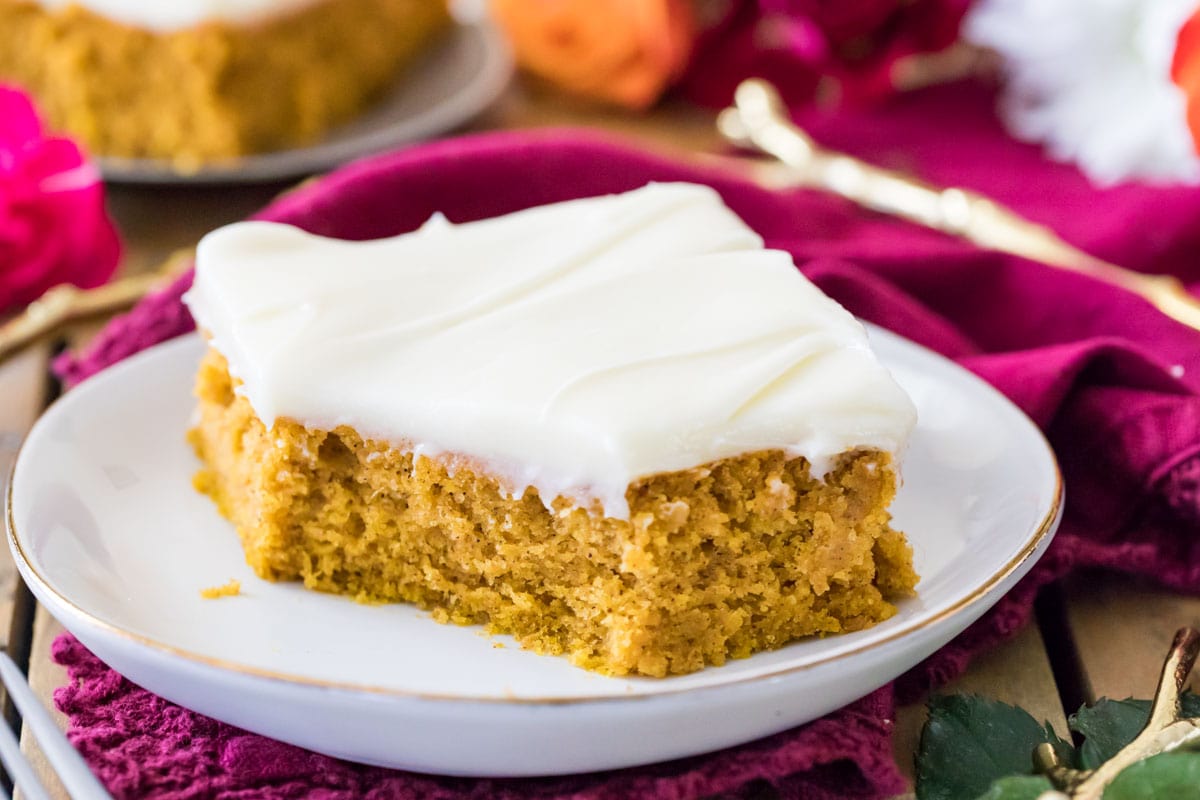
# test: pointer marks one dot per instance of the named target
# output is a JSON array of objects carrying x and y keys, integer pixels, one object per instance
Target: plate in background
[{"x": 447, "y": 86}]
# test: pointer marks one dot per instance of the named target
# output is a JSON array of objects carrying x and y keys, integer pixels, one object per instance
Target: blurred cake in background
[{"x": 195, "y": 81}]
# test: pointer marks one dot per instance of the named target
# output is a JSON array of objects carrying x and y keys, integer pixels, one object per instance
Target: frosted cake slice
[{"x": 617, "y": 428}]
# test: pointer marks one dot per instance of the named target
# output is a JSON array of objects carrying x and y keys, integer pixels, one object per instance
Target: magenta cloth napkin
[{"x": 1112, "y": 382}]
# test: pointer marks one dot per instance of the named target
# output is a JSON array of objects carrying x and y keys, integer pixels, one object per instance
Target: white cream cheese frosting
[
  {"x": 171, "y": 15},
  {"x": 573, "y": 347}
]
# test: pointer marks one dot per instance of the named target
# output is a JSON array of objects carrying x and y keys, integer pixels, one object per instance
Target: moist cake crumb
[{"x": 232, "y": 588}]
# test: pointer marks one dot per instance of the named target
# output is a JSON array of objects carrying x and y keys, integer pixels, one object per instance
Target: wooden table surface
[{"x": 1099, "y": 635}]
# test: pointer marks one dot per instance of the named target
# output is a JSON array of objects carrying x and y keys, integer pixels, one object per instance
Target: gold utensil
[
  {"x": 759, "y": 120},
  {"x": 1165, "y": 730},
  {"x": 66, "y": 304}
]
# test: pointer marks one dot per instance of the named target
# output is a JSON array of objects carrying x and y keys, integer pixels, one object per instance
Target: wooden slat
[
  {"x": 22, "y": 393},
  {"x": 1017, "y": 672},
  {"x": 1122, "y": 629},
  {"x": 44, "y": 677},
  {"x": 23, "y": 385},
  {"x": 22, "y": 389}
]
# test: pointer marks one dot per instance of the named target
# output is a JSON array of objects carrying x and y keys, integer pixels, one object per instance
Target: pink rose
[
  {"x": 815, "y": 51},
  {"x": 53, "y": 226}
]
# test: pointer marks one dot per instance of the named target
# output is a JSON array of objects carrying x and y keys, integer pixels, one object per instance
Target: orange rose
[
  {"x": 1185, "y": 71},
  {"x": 623, "y": 51}
]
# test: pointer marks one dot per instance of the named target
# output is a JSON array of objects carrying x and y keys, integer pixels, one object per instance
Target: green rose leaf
[
  {"x": 1020, "y": 787},
  {"x": 1167, "y": 776},
  {"x": 1109, "y": 725},
  {"x": 970, "y": 742}
]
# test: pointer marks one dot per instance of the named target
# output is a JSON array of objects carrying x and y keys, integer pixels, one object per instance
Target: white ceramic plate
[
  {"x": 111, "y": 537},
  {"x": 449, "y": 85}
]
